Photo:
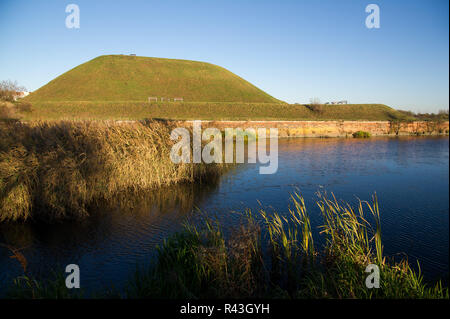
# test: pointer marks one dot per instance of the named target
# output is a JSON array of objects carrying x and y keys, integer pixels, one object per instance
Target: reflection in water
[
  {"x": 116, "y": 236},
  {"x": 409, "y": 174}
]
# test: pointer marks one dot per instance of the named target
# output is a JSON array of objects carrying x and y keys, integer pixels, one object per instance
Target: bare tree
[
  {"x": 443, "y": 113},
  {"x": 315, "y": 105},
  {"x": 314, "y": 101},
  {"x": 9, "y": 89}
]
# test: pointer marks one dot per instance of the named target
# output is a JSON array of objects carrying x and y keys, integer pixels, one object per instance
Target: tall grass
[
  {"x": 54, "y": 170},
  {"x": 269, "y": 256},
  {"x": 202, "y": 263}
]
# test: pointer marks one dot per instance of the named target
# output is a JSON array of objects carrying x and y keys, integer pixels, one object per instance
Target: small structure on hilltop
[
  {"x": 162, "y": 99},
  {"x": 337, "y": 102}
]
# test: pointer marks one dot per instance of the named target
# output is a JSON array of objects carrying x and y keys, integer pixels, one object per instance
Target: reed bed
[
  {"x": 202, "y": 263},
  {"x": 56, "y": 170}
]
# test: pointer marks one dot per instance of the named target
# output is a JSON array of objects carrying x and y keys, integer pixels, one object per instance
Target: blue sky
[{"x": 294, "y": 50}]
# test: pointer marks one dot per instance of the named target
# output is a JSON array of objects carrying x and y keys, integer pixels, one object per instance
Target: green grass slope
[
  {"x": 131, "y": 78},
  {"x": 209, "y": 111}
]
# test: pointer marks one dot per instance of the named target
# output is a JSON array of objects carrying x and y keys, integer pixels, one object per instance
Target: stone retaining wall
[{"x": 334, "y": 128}]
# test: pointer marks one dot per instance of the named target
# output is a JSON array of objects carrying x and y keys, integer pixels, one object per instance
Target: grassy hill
[
  {"x": 118, "y": 87},
  {"x": 131, "y": 78}
]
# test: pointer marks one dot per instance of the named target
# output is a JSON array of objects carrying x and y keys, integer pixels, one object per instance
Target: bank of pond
[
  {"x": 54, "y": 171},
  {"x": 266, "y": 256}
]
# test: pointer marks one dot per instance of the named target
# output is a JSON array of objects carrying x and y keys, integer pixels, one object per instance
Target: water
[{"x": 410, "y": 176}]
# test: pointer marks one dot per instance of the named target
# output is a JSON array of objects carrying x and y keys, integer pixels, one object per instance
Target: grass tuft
[
  {"x": 361, "y": 134},
  {"x": 201, "y": 263}
]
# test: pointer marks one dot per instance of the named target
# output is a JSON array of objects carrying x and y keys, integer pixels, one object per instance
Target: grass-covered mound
[
  {"x": 56, "y": 170},
  {"x": 131, "y": 78}
]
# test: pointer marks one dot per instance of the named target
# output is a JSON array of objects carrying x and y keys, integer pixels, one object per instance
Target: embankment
[
  {"x": 334, "y": 128},
  {"x": 208, "y": 111}
]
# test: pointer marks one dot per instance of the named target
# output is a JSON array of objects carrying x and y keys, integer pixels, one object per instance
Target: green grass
[
  {"x": 118, "y": 87},
  {"x": 124, "y": 78},
  {"x": 361, "y": 134},
  {"x": 208, "y": 111},
  {"x": 26, "y": 287},
  {"x": 269, "y": 256},
  {"x": 202, "y": 263}
]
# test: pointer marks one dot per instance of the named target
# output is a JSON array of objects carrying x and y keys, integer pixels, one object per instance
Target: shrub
[
  {"x": 361, "y": 134},
  {"x": 7, "y": 111},
  {"x": 25, "y": 107},
  {"x": 8, "y": 90},
  {"x": 316, "y": 106},
  {"x": 12, "y": 111}
]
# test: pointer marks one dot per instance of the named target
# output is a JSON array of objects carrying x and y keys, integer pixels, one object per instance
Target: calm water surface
[{"x": 410, "y": 176}]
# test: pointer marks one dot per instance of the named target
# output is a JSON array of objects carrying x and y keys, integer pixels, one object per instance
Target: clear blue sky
[{"x": 294, "y": 50}]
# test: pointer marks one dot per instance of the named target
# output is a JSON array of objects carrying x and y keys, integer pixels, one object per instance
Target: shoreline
[
  {"x": 334, "y": 128},
  {"x": 308, "y": 128}
]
